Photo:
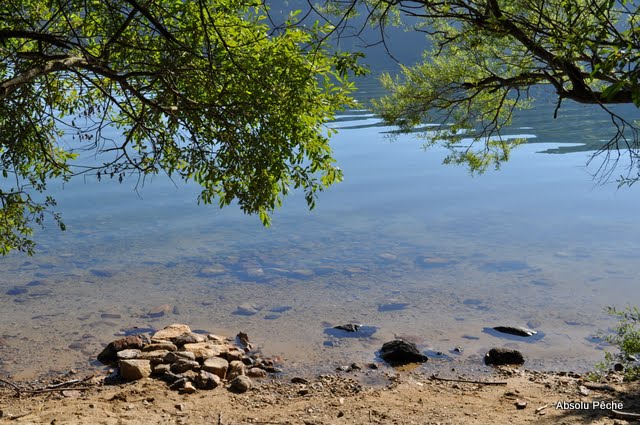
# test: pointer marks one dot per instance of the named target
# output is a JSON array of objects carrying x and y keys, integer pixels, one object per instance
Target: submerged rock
[
  {"x": 503, "y": 356},
  {"x": 246, "y": 310},
  {"x": 350, "y": 327},
  {"x": 398, "y": 352},
  {"x": 515, "y": 330}
]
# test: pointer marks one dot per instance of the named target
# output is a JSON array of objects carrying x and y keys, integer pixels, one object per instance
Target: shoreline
[{"x": 512, "y": 395}]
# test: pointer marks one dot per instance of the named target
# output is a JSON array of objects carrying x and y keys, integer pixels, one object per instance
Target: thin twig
[
  {"x": 219, "y": 418},
  {"x": 625, "y": 415},
  {"x": 48, "y": 390},
  {"x": 12, "y": 385},
  {"x": 466, "y": 381}
]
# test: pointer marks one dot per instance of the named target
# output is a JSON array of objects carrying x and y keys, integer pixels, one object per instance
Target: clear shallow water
[{"x": 536, "y": 242}]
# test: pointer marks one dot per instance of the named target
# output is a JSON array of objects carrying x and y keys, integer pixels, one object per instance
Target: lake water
[{"x": 538, "y": 243}]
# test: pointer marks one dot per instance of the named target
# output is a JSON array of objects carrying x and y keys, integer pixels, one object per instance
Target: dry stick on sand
[
  {"x": 12, "y": 385},
  {"x": 466, "y": 381},
  {"x": 625, "y": 415}
]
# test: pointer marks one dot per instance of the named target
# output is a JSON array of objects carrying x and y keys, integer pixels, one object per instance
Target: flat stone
[
  {"x": 183, "y": 365},
  {"x": 212, "y": 271},
  {"x": 156, "y": 356},
  {"x": 189, "y": 338},
  {"x": 174, "y": 356},
  {"x": 216, "y": 365},
  {"x": 159, "y": 311},
  {"x": 503, "y": 356},
  {"x": 204, "y": 350},
  {"x": 246, "y": 310},
  {"x": 387, "y": 256},
  {"x": 160, "y": 368},
  {"x": 216, "y": 339},
  {"x": 256, "y": 372},
  {"x": 132, "y": 370},
  {"x": 128, "y": 354},
  {"x": 240, "y": 384},
  {"x": 398, "y": 352},
  {"x": 165, "y": 345},
  {"x": 206, "y": 380},
  {"x": 234, "y": 354},
  {"x": 170, "y": 332}
]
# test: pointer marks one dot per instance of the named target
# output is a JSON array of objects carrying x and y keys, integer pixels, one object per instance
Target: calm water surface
[{"x": 536, "y": 243}]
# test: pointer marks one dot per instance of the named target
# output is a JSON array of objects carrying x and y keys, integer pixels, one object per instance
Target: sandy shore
[{"x": 513, "y": 396}]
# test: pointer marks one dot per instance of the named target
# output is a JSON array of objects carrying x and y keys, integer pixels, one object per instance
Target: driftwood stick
[
  {"x": 49, "y": 390},
  {"x": 62, "y": 384},
  {"x": 625, "y": 415},
  {"x": 12, "y": 385},
  {"x": 466, "y": 381}
]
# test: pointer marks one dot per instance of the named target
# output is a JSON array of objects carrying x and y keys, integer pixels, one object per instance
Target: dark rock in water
[
  {"x": 503, "y": 356},
  {"x": 110, "y": 316},
  {"x": 433, "y": 262},
  {"x": 392, "y": 306},
  {"x": 515, "y": 330},
  {"x": 272, "y": 317},
  {"x": 17, "y": 290},
  {"x": 246, "y": 310},
  {"x": 281, "y": 309},
  {"x": 515, "y": 333},
  {"x": 533, "y": 323},
  {"x": 35, "y": 283},
  {"x": 504, "y": 266},
  {"x": 350, "y": 327},
  {"x": 101, "y": 273},
  {"x": 351, "y": 331},
  {"x": 138, "y": 331},
  {"x": 109, "y": 354},
  {"x": 399, "y": 352}
]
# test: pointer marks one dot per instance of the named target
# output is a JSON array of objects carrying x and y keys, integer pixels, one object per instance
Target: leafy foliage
[
  {"x": 200, "y": 90},
  {"x": 626, "y": 338},
  {"x": 486, "y": 55}
]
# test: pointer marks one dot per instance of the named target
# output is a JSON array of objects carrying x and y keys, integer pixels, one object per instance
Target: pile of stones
[{"x": 187, "y": 361}]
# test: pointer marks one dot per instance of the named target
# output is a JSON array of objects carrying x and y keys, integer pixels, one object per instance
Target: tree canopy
[
  {"x": 205, "y": 90},
  {"x": 487, "y": 55}
]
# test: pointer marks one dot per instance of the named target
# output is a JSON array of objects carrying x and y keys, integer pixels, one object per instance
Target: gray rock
[
  {"x": 132, "y": 370},
  {"x": 207, "y": 381},
  {"x": 174, "y": 356},
  {"x": 110, "y": 353},
  {"x": 246, "y": 310},
  {"x": 240, "y": 384},
  {"x": 154, "y": 356},
  {"x": 256, "y": 372},
  {"x": 216, "y": 365},
  {"x": 503, "y": 356},
  {"x": 183, "y": 365},
  {"x": 189, "y": 338},
  {"x": 399, "y": 351},
  {"x": 159, "y": 310},
  {"x": 128, "y": 354},
  {"x": 160, "y": 368},
  {"x": 236, "y": 368}
]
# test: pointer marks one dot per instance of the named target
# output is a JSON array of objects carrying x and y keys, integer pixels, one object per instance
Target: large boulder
[
  {"x": 503, "y": 356},
  {"x": 399, "y": 352}
]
